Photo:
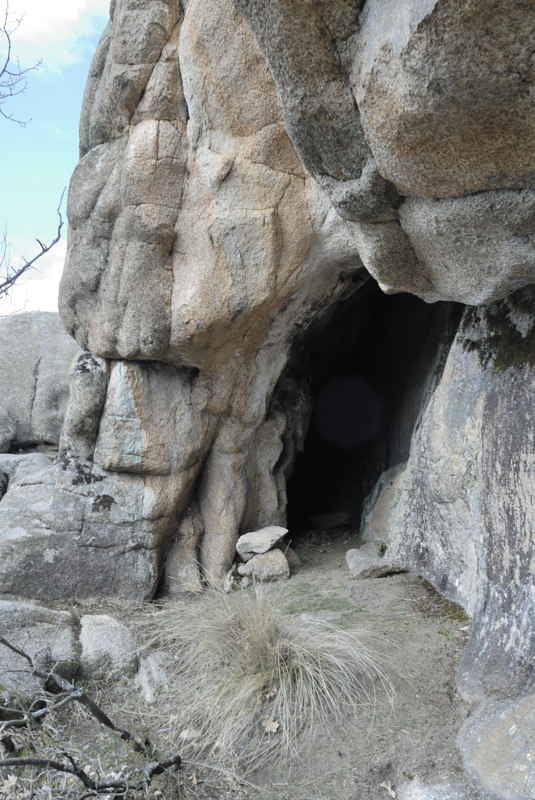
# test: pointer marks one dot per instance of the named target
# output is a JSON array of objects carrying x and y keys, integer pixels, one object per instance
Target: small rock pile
[{"x": 266, "y": 558}]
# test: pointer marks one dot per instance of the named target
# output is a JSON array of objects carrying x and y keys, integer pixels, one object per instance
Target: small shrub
[{"x": 248, "y": 681}]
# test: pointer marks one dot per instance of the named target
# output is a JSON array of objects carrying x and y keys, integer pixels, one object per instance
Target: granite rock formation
[
  {"x": 460, "y": 510},
  {"x": 34, "y": 359},
  {"x": 246, "y": 165}
]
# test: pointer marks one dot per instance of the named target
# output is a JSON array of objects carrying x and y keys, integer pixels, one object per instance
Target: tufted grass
[{"x": 249, "y": 681}]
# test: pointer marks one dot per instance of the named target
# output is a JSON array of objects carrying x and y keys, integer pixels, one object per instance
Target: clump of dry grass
[{"x": 247, "y": 681}]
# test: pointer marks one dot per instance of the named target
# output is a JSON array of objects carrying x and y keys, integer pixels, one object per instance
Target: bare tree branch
[
  {"x": 12, "y": 76},
  {"x": 101, "y": 787},
  {"x": 74, "y": 693},
  {"x": 68, "y": 691},
  {"x": 9, "y": 275}
]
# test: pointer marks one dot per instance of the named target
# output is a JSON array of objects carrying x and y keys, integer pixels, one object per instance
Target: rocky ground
[{"x": 405, "y": 739}]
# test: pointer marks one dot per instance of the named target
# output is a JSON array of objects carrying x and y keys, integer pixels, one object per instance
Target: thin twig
[
  {"x": 106, "y": 785},
  {"x": 11, "y": 276},
  {"x": 71, "y": 692},
  {"x": 12, "y": 76},
  {"x": 75, "y": 693}
]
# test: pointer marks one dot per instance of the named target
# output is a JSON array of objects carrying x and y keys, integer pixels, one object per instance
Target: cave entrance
[{"x": 366, "y": 362}]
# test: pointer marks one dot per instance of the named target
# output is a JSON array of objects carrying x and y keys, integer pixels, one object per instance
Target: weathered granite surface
[
  {"x": 253, "y": 542},
  {"x": 461, "y": 510},
  {"x": 73, "y": 645},
  {"x": 108, "y": 648},
  {"x": 47, "y": 635},
  {"x": 496, "y": 743},
  {"x": 244, "y": 166},
  {"x": 228, "y": 189},
  {"x": 35, "y": 355},
  {"x": 406, "y": 103}
]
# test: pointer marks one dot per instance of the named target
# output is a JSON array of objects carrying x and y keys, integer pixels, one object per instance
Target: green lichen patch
[
  {"x": 308, "y": 604},
  {"x": 439, "y": 606}
]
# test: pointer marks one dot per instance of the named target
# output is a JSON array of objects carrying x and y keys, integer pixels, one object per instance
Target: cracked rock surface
[
  {"x": 245, "y": 167},
  {"x": 34, "y": 359}
]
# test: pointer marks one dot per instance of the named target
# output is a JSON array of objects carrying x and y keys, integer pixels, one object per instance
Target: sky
[{"x": 37, "y": 159}]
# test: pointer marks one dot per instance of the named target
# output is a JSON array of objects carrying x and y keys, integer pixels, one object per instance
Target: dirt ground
[
  {"x": 411, "y": 737},
  {"x": 406, "y": 734}
]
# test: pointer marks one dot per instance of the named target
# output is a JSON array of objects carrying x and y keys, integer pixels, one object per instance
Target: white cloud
[
  {"x": 54, "y": 30},
  {"x": 58, "y": 133}
]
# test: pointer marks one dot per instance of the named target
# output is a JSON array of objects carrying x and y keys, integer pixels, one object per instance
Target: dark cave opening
[{"x": 366, "y": 361}]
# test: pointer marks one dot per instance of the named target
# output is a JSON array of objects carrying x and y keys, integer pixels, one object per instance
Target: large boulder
[
  {"x": 109, "y": 519},
  {"x": 409, "y": 103},
  {"x": 70, "y": 531},
  {"x": 441, "y": 89},
  {"x": 491, "y": 232},
  {"x": 35, "y": 357},
  {"x": 197, "y": 243},
  {"x": 233, "y": 186}
]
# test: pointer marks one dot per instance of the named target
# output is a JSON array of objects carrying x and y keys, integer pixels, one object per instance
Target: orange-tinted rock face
[
  {"x": 214, "y": 152},
  {"x": 245, "y": 164},
  {"x": 444, "y": 94},
  {"x": 192, "y": 222}
]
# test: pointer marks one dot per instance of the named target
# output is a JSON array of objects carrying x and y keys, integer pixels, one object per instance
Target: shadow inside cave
[{"x": 367, "y": 361}]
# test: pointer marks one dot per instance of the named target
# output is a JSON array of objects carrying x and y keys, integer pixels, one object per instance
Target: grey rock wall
[
  {"x": 496, "y": 745},
  {"x": 35, "y": 355},
  {"x": 461, "y": 510}
]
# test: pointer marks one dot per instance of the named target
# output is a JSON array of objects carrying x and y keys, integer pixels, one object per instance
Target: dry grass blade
[{"x": 247, "y": 681}]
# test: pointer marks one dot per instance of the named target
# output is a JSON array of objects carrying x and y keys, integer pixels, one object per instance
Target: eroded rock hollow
[{"x": 249, "y": 169}]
